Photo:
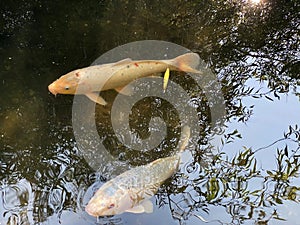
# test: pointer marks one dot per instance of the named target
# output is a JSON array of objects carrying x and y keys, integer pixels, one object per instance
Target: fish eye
[
  {"x": 67, "y": 88},
  {"x": 111, "y": 206}
]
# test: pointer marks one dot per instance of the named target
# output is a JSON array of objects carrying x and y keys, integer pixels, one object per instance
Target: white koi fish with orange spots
[
  {"x": 90, "y": 80},
  {"x": 131, "y": 190}
]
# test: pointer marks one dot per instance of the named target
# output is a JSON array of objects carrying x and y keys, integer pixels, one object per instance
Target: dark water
[{"x": 251, "y": 176}]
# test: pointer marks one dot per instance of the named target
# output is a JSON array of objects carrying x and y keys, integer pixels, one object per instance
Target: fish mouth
[
  {"x": 90, "y": 211},
  {"x": 52, "y": 89}
]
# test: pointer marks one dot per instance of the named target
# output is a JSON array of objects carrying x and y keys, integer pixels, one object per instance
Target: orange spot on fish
[{"x": 136, "y": 64}]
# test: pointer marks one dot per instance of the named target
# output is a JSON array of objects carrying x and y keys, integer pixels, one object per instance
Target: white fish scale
[
  {"x": 147, "y": 176},
  {"x": 125, "y": 74}
]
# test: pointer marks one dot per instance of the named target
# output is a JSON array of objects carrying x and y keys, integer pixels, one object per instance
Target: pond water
[{"x": 243, "y": 165}]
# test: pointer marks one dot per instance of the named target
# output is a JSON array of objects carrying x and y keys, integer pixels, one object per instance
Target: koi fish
[
  {"x": 117, "y": 75},
  {"x": 131, "y": 190}
]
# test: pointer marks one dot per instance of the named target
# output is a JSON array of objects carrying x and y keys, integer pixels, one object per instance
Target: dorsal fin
[{"x": 123, "y": 62}]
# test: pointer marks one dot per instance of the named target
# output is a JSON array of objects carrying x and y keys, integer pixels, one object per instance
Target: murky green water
[{"x": 252, "y": 48}]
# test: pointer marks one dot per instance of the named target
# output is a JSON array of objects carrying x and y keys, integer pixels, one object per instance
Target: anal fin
[{"x": 126, "y": 90}]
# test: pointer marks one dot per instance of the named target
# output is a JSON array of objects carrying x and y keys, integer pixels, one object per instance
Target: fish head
[
  {"x": 66, "y": 84},
  {"x": 109, "y": 201},
  {"x": 102, "y": 206}
]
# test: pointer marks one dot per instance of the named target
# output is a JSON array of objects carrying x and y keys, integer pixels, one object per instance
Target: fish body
[
  {"x": 131, "y": 190},
  {"x": 97, "y": 78}
]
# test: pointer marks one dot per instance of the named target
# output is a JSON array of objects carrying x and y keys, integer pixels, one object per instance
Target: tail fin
[
  {"x": 187, "y": 62},
  {"x": 185, "y": 136}
]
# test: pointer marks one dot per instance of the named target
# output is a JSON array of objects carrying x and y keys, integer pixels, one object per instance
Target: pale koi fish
[
  {"x": 131, "y": 190},
  {"x": 88, "y": 80}
]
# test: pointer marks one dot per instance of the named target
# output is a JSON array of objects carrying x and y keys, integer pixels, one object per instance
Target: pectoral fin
[
  {"x": 127, "y": 90},
  {"x": 148, "y": 206},
  {"x": 96, "y": 98},
  {"x": 136, "y": 209},
  {"x": 145, "y": 207}
]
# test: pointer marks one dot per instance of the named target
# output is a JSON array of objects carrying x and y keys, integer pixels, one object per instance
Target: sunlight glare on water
[{"x": 255, "y": 1}]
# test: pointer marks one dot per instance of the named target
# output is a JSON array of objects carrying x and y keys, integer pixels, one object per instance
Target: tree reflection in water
[{"x": 42, "y": 172}]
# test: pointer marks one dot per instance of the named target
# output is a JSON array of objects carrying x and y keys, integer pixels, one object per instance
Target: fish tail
[
  {"x": 187, "y": 62},
  {"x": 184, "y": 139}
]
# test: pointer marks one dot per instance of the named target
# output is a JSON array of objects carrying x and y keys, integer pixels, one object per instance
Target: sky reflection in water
[{"x": 44, "y": 180}]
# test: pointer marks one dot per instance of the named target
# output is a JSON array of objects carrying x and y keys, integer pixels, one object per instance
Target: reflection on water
[{"x": 45, "y": 180}]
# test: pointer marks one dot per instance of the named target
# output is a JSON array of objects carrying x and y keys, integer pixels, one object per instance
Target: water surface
[{"x": 253, "y": 49}]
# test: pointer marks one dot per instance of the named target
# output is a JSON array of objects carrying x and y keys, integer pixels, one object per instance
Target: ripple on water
[{"x": 16, "y": 201}]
